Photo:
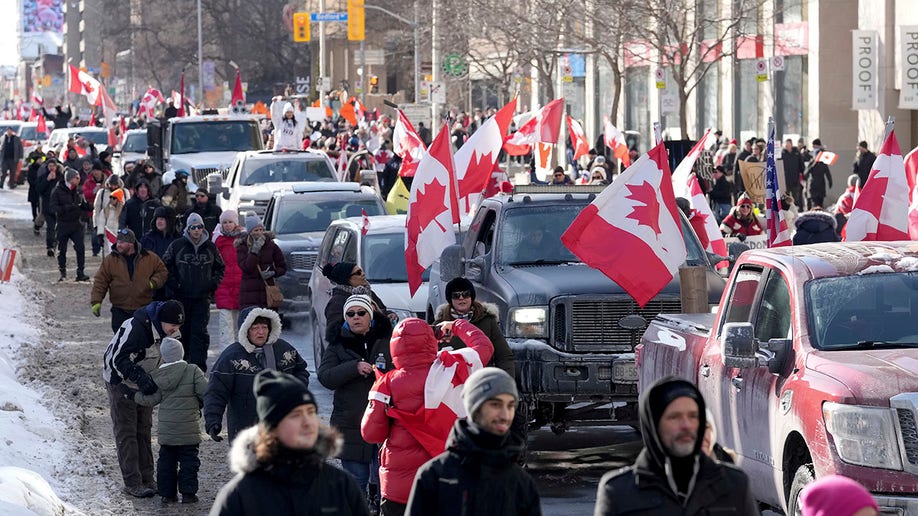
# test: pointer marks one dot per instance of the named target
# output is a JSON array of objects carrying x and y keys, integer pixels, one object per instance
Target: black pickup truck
[{"x": 567, "y": 323}]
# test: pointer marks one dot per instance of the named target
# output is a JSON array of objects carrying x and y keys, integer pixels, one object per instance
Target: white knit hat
[{"x": 359, "y": 301}]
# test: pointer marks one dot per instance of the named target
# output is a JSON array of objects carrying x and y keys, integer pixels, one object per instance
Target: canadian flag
[
  {"x": 615, "y": 140},
  {"x": 353, "y": 111},
  {"x": 432, "y": 209},
  {"x": 712, "y": 238},
  {"x": 408, "y": 145},
  {"x": 578, "y": 138},
  {"x": 84, "y": 84},
  {"x": 631, "y": 231},
  {"x": 911, "y": 171},
  {"x": 543, "y": 127},
  {"x": 681, "y": 185},
  {"x": 829, "y": 158},
  {"x": 777, "y": 231},
  {"x": 365, "y": 223},
  {"x": 881, "y": 210},
  {"x": 148, "y": 102},
  {"x": 476, "y": 159}
]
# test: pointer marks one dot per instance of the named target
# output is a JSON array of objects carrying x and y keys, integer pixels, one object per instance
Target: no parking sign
[
  {"x": 777, "y": 63},
  {"x": 761, "y": 70}
]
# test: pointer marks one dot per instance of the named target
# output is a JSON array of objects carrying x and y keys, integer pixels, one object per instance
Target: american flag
[{"x": 776, "y": 225}]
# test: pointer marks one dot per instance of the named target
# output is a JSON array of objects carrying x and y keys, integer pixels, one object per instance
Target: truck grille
[
  {"x": 909, "y": 434},
  {"x": 200, "y": 175},
  {"x": 592, "y": 325},
  {"x": 302, "y": 261}
]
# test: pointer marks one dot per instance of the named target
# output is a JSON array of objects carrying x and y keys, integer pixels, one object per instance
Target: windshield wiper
[
  {"x": 388, "y": 280},
  {"x": 543, "y": 262},
  {"x": 871, "y": 344}
]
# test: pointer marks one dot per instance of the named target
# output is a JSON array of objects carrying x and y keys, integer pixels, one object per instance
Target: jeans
[
  {"x": 119, "y": 315},
  {"x": 177, "y": 466},
  {"x": 132, "y": 425},
  {"x": 50, "y": 231},
  {"x": 360, "y": 471}
]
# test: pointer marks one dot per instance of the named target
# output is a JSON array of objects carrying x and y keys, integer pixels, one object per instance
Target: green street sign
[{"x": 454, "y": 65}]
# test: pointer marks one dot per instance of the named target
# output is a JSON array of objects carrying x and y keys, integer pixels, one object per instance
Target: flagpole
[{"x": 890, "y": 123}]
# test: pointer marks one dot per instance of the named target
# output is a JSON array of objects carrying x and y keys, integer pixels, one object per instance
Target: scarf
[{"x": 265, "y": 356}]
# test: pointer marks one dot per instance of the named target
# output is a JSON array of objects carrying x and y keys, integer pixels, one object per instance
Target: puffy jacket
[
  {"x": 68, "y": 205},
  {"x": 412, "y": 434},
  {"x": 46, "y": 186},
  {"x": 125, "y": 291},
  {"x": 477, "y": 474},
  {"x": 91, "y": 187},
  {"x": 227, "y": 294},
  {"x": 180, "y": 395},
  {"x": 270, "y": 257},
  {"x": 137, "y": 213},
  {"x": 814, "y": 227},
  {"x": 338, "y": 372},
  {"x": 195, "y": 270},
  {"x": 299, "y": 482},
  {"x": 159, "y": 241},
  {"x": 485, "y": 317},
  {"x": 134, "y": 349},
  {"x": 231, "y": 379},
  {"x": 209, "y": 212}
]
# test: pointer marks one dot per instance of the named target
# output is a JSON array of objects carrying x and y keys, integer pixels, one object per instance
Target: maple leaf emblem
[
  {"x": 647, "y": 214},
  {"x": 480, "y": 166},
  {"x": 88, "y": 87},
  {"x": 871, "y": 199},
  {"x": 428, "y": 205}
]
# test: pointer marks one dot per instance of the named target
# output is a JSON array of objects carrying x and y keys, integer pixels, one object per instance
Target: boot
[
  {"x": 82, "y": 277},
  {"x": 50, "y": 252},
  {"x": 63, "y": 275},
  {"x": 373, "y": 499}
]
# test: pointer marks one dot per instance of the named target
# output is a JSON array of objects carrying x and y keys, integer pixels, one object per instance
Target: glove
[
  {"x": 214, "y": 433},
  {"x": 152, "y": 285},
  {"x": 257, "y": 244},
  {"x": 126, "y": 391},
  {"x": 97, "y": 309},
  {"x": 146, "y": 384},
  {"x": 266, "y": 274}
]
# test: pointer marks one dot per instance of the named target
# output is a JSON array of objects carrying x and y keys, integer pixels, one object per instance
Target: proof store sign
[{"x": 865, "y": 69}]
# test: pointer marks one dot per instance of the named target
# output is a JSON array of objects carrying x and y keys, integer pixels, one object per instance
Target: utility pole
[
  {"x": 435, "y": 67},
  {"x": 200, "y": 60},
  {"x": 322, "y": 84}
]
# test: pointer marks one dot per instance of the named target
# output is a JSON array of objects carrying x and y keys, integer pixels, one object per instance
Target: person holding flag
[{"x": 777, "y": 230}]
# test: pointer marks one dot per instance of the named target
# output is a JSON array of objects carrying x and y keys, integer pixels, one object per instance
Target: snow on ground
[{"x": 32, "y": 449}]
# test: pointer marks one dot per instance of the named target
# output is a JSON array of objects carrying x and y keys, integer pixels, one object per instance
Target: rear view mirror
[{"x": 738, "y": 345}]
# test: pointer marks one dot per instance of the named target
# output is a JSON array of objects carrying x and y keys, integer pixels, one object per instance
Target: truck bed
[{"x": 673, "y": 344}]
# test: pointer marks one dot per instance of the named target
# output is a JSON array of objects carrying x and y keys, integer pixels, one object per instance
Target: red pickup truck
[{"x": 810, "y": 366}]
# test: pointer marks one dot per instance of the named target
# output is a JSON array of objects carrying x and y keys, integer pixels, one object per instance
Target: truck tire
[{"x": 804, "y": 476}]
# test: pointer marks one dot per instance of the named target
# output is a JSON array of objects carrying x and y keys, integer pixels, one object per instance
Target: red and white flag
[
  {"x": 713, "y": 238},
  {"x": 365, "y": 223},
  {"x": 432, "y": 209},
  {"x": 881, "y": 211},
  {"x": 84, "y": 84},
  {"x": 477, "y": 157},
  {"x": 149, "y": 101},
  {"x": 37, "y": 100},
  {"x": 237, "y": 101},
  {"x": 578, "y": 138},
  {"x": 911, "y": 175},
  {"x": 829, "y": 158},
  {"x": 407, "y": 144},
  {"x": 543, "y": 127},
  {"x": 631, "y": 231},
  {"x": 42, "y": 127},
  {"x": 615, "y": 140},
  {"x": 681, "y": 184}
]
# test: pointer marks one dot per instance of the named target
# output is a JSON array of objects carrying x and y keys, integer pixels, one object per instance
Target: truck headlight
[
  {"x": 865, "y": 436},
  {"x": 529, "y": 322}
]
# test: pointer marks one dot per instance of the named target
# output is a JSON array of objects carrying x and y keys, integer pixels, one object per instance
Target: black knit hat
[
  {"x": 276, "y": 394},
  {"x": 340, "y": 273},
  {"x": 458, "y": 285},
  {"x": 172, "y": 312},
  {"x": 663, "y": 394}
]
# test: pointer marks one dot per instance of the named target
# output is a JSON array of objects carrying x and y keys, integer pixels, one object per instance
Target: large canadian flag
[
  {"x": 713, "y": 238},
  {"x": 148, "y": 102},
  {"x": 681, "y": 185},
  {"x": 881, "y": 210},
  {"x": 476, "y": 159},
  {"x": 615, "y": 140},
  {"x": 84, "y": 84},
  {"x": 578, "y": 138},
  {"x": 432, "y": 209},
  {"x": 631, "y": 231},
  {"x": 543, "y": 127},
  {"x": 407, "y": 145}
]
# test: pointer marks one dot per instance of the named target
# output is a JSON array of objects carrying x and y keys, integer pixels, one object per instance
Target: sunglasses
[
  {"x": 358, "y": 272},
  {"x": 597, "y": 177},
  {"x": 358, "y": 313},
  {"x": 201, "y": 196},
  {"x": 463, "y": 294},
  {"x": 559, "y": 175},
  {"x": 196, "y": 226}
]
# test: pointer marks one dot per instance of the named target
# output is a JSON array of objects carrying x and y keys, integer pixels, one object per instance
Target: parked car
[
  {"x": 810, "y": 368},
  {"x": 133, "y": 148},
  {"x": 31, "y": 138},
  {"x": 380, "y": 253},
  {"x": 254, "y": 176},
  {"x": 58, "y": 138},
  {"x": 299, "y": 218}
]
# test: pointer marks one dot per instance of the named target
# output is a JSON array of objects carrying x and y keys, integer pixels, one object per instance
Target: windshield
[
  {"x": 3, "y": 127},
  {"x": 847, "y": 310},
  {"x": 97, "y": 137},
  {"x": 306, "y": 216},
  {"x": 135, "y": 142},
  {"x": 257, "y": 171},
  {"x": 384, "y": 259},
  {"x": 533, "y": 235},
  {"x": 31, "y": 133},
  {"x": 216, "y": 136}
]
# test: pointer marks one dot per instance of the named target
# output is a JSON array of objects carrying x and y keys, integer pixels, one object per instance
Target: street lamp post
[
  {"x": 200, "y": 58},
  {"x": 417, "y": 45}
]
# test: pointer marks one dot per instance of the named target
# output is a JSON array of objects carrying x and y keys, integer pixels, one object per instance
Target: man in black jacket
[
  {"x": 793, "y": 171},
  {"x": 69, "y": 206},
  {"x": 478, "y": 473},
  {"x": 50, "y": 174},
  {"x": 863, "y": 162},
  {"x": 10, "y": 157},
  {"x": 195, "y": 271},
  {"x": 671, "y": 475}
]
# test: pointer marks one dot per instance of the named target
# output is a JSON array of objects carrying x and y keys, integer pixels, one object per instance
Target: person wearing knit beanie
[
  {"x": 171, "y": 350},
  {"x": 276, "y": 394},
  {"x": 340, "y": 273},
  {"x": 835, "y": 495},
  {"x": 252, "y": 221},
  {"x": 486, "y": 385},
  {"x": 358, "y": 302},
  {"x": 229, "y": 216}
]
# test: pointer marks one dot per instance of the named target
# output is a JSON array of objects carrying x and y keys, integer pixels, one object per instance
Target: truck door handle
[
  {"x": 738, "y": 382},
  {"x": 705, "y": 370}
]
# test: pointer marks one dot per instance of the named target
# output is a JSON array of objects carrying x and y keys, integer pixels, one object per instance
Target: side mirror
[
  {"x": 738, "y": 346},
  {"x": 476, "y": 269},
  {"x": 778, "y": 353}
]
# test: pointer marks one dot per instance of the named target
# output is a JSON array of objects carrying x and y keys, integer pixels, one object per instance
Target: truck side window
[
  {"x": 338, "y": 252},
  {"x": 742, "y": 296},
  {"x": 773, "y": 320},
  {"x": 485, "y": 239}
]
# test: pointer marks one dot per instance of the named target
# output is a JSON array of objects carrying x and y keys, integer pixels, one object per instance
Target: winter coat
[
  {"x": 862, "y": 165},
  {"x": 396, "y": 416},
  {"x": 299, "y": 482},
  {"x": 818, "y": 177},
  {"x": 793, "y": 168},
  {"x": 154, "y": 180},
  {"x": 814, "y": 227},
  {"x": 477, "y": 474},
  {"x": 270, "y": 257},
  {"x": 209, "y": 212},
  {"x": 176, "y": 196},
  {"x": 159, "y": 241},
  {"x": 91, "y": 187},
  {"x": 338, "y": 372},
  {"x": 733, "y": 225},
  {"x": 137, "y": 214},
  {"x": 334, "y": 310},
  {"x": 644, "y": 488},
  {"x": 195, "y": 270},
  {"x": 485, "y": 317},
  {"x": 69, "y": 206},
  {"x": 35, "y": 163},
  {"x": 15, "y": 143},
  {"x": 128, "y": 292},
  {"x": 231, "y": 379},
  {"x": 134, "y": 349},
  {"x": 227, "y": 294},
  {"x": 106, "y": 214},
  {"x": 180, "y": 396},
  {"x": 287, "y": 134},
  {"x": 46, "y": 186},
  {"x": 722, "y": 191}
]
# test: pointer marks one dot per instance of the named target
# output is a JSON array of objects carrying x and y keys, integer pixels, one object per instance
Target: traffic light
[
  {"x": 374, "y": 83},
  {"x": 301, "y": 27},
  {"x": 355, "y": 20}
]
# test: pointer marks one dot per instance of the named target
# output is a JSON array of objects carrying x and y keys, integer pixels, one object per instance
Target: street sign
[
  {"x": 660, "y": 76},
  {"x": 438, "y": 92},
  {"x": 761, "y": 70},
  {"x": 777, "y": 63},
  {"x": 417, "y": 113},
  {"x": 328, "y": 17},
  {"x": 454, "y": 65},
  {"x": 372, "y": 56},
  {"x": 323, "y": 83},
  {"x": 302, "y": 85}
]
